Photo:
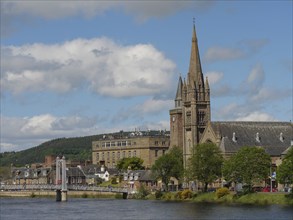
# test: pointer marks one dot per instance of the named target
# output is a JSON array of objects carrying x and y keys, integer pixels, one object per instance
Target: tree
[
  {"x": 169, "y": 165},
  {"x": 285, "y": 170},
  {"x": 248, "y": 165},
  {"x": 205, "y": 163},
  {"x": 134, "y": 163}
]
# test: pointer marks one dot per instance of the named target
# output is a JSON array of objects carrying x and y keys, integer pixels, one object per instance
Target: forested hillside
[{"x": 78, "y": 149}]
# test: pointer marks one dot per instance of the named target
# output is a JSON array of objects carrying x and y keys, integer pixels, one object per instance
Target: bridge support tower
[{"x": 61, "y": 191}]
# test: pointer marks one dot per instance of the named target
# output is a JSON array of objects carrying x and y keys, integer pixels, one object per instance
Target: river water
[{"x": 112, "y": 209}]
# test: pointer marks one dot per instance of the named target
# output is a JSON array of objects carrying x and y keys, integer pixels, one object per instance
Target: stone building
[
  {"x": 191, "y": 114},
  {"x": 148, "y": 146},
  {"x": 190, "y": 120}
]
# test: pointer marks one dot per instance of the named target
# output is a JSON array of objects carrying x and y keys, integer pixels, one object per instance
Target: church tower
[{"x": 192, "y": 112}]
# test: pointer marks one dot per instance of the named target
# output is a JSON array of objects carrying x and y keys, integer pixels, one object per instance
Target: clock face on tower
[{"x": 173, "y": 118}]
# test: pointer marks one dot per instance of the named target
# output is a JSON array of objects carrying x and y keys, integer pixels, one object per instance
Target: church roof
[{"x": 274, "y": 137}]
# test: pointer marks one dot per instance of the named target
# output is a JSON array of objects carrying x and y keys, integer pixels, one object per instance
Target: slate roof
[
  {"x": 74, "y": 172},
  {"x": 274, "y": 137}
]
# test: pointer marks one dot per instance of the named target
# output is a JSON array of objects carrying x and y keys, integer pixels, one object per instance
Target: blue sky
[{"x": 77, "y": 68}]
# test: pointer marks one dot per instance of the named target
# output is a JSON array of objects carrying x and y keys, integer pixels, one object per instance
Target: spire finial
[{"x": 193, "y": 21}]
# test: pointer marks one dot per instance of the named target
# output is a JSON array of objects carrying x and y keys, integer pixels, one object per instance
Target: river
[{"x": 112, "y": 209}]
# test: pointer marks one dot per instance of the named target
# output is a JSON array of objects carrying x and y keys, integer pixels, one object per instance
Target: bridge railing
[{"x": 14, "y": 187}]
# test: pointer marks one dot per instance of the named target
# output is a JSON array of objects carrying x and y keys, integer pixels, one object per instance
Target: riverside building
[{"x": 147, "y": 145}]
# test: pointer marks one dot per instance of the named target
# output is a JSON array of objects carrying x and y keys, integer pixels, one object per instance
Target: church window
[
  {"x": 97, "y": 157},
  {"x": 201, "y": 117},
  {"x": 188, "y": 117}
]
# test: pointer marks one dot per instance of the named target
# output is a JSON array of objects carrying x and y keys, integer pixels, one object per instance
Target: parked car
[{"x": 268, "y": 189}]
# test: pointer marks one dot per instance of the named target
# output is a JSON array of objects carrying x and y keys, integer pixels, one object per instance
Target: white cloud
[
  {"x": 23, "y": 132},
  {"x": 222, "y": 53},
  {"x": 214, "y": 77},
  {"x": 255, "y": 116},
  {"x": 151, "y": 106},
  {"x": 102, "y": 65}
]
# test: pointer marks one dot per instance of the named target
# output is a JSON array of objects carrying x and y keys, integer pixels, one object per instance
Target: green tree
[
  {"x": 205, "y": 164},
  {"x": 249, "y": 164},
  {"x": 285, "y": 170},
  {"x": 169, "y": 165},
  {"x": 134, "y": 163}
]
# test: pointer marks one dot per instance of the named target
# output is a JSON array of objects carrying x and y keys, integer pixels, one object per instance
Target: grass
[{"x": 253, "y": 198}]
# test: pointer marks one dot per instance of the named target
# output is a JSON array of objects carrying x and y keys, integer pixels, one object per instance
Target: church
[{"x": 190, "y": 120}]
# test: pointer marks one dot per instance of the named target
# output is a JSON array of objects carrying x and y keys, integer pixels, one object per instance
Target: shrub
[
  {"x": 142, "y": 192},
  {"x": 222, "y": 192},
  {"x": 178, "y": 195},
  {"x": 186, "y": 194},
  {"x": 114, "y": 181},
  {"x": 167, "y": 196},
  {"x": 158, "y": 194}
]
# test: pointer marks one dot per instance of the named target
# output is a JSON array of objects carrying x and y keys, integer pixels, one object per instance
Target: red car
[{"x": 268, "y": 189}]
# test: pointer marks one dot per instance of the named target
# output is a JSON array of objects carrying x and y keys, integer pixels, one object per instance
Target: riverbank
[
  {"x": 211, "y": 197},
  {"x": 252, "y": 199}
]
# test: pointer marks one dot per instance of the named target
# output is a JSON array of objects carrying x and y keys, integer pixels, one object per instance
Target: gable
[{"x": 209, "y": 135}]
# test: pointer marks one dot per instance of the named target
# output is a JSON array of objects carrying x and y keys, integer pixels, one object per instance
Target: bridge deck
[{"x": 51, "y": 187}]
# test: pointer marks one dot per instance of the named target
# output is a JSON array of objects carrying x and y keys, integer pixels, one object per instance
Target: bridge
[{"x": 53, "y": 187}]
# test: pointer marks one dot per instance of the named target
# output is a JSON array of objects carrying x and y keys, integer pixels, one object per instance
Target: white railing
[{"x": 69, "y": 187}]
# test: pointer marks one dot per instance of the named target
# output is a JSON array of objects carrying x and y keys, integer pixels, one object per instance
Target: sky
[{"x": 79, "y": 68}]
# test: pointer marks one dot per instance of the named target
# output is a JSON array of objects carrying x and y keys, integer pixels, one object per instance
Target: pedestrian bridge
[{"x": 52, "y": 187}]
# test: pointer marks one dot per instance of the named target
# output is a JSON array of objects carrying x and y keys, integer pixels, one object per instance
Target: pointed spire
[
  {"x": 178, "y": 98},
  {"x": 179, "y": 89},
  {"x": 195, "y": 71},
  {"x": 207, "y": 86}
]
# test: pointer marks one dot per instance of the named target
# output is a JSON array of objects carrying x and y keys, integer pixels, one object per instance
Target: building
[
  {"x": 191, "y": 114},
  {"x": 147, "y": 145},
  {"x": 190, "y": 120}
]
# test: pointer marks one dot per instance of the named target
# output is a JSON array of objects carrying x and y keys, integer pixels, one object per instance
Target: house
[
  {"x": 134, "y": 179},
  {"x": 94, "y": 171}
]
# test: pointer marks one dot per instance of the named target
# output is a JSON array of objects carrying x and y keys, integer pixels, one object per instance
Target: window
[
  {"x": 129, "y": 153},
  {"x": 134, "y": 153},
  {"x": 113, "y": 144},
  {"x": 163, "y": 142},
  {"x": 103, "y": 156},
  {"x": 156, "y": 142},
  {"x": 123, "y": 143},
  {"x": 108, "y": 155},
  {"x": 123, "y": 154},
  {"x": 113, "y": 155},
  {"x": 97, "y": 145},
  {"x": 163, "y": 152},
  {"x": 97, "y": 157},
  {"x": 201, "y": 117},
  {"x": 118, "y": 155},
  {"x": 156, "y": 153},
  {"x": 108, "y": 144},
  {"x": 118, "y": 143},
  {"x": 188, "y": 117}
]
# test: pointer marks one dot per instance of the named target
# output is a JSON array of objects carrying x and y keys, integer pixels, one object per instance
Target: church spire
[
  {"x": 195, "y": 71},
  {"x": 178, "y": 98}
]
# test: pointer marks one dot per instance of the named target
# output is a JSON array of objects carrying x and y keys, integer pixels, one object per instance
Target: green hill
[{"x": 77, "y": 149}]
